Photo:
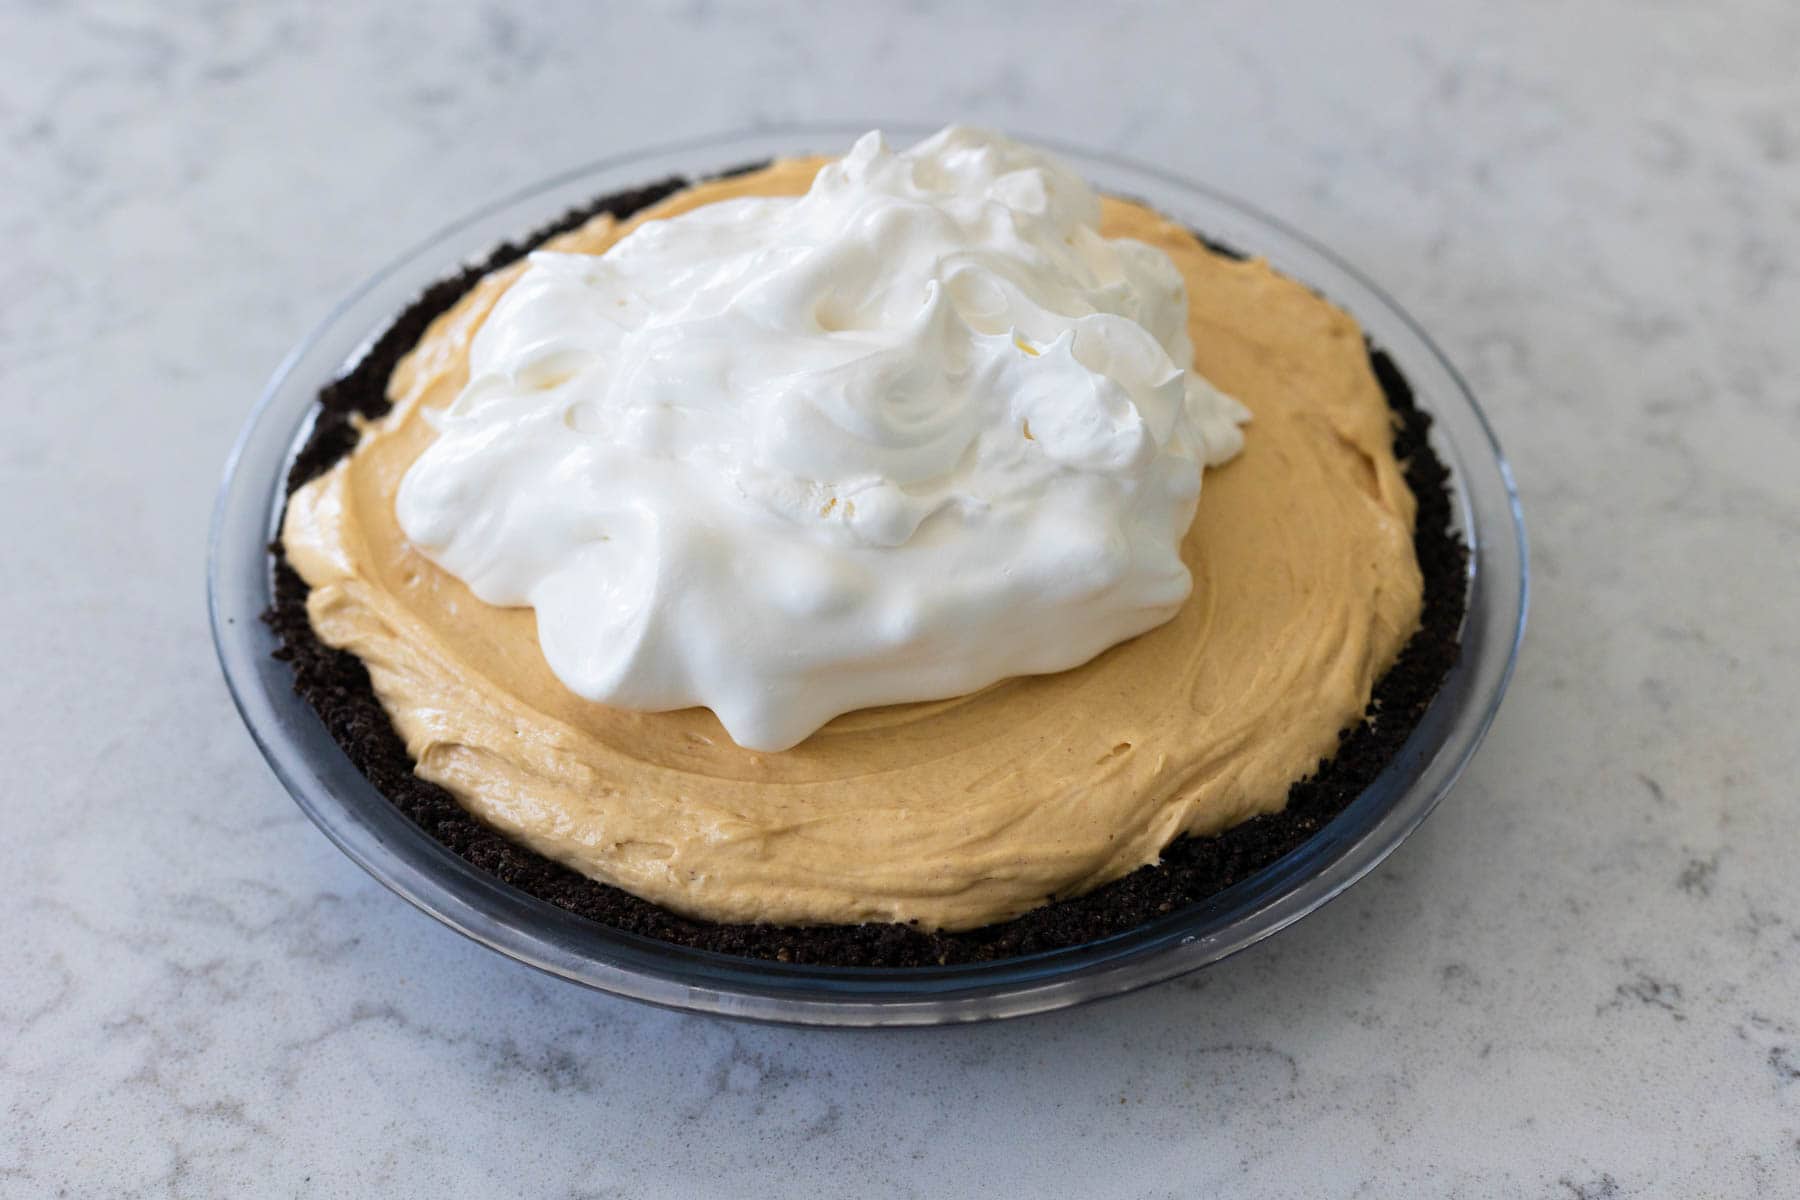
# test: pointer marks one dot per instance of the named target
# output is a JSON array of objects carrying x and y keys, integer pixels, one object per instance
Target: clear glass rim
[{"x": 415, "y": 866}]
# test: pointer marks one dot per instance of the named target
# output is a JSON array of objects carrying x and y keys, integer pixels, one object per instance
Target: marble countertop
[{"x": 1581, "y": 978}]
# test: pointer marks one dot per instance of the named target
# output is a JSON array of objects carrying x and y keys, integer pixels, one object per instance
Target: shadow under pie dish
[{"x": 1126, "y": 927}]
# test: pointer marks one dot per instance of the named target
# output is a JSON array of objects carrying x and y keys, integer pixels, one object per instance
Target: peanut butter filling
[{"x": 954, "y": 813}]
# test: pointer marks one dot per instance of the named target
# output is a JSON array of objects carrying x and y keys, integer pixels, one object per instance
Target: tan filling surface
[{"x": 954, "y": 813}]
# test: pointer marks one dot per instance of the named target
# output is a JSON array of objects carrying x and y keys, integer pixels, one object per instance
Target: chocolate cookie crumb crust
[{"x": 336, "y": 685}]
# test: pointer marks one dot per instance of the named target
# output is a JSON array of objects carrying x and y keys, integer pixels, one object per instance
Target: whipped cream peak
[{"x": 918, "y": 430}]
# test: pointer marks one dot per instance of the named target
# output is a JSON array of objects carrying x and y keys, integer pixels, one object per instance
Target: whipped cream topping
[{"x": 916, "y": 431}]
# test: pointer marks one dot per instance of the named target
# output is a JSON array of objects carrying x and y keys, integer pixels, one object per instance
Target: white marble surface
[{"x": 1582, "y": 979}]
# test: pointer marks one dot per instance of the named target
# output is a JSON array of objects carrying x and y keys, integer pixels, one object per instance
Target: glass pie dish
[{"x": 377, "y": 835}]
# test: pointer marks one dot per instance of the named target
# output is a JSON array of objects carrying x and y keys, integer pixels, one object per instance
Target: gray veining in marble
[{"x": 1581, "y": 979}]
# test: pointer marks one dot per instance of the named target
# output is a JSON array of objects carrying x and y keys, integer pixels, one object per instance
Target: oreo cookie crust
[{"x": 336, "y": 685}]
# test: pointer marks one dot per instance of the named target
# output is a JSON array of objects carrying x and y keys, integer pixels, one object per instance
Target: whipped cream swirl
[{"x": 916, "y": 431}]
